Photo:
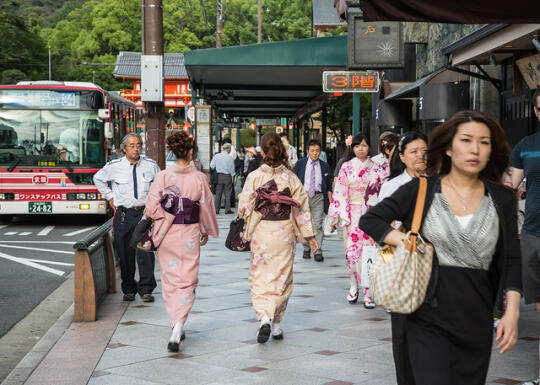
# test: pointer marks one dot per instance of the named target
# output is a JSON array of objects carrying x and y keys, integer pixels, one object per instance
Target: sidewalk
[{"x": 327, "y": 341}]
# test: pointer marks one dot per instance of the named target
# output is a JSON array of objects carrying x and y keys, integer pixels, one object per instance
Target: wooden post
[{"x": 85, "y": 292}]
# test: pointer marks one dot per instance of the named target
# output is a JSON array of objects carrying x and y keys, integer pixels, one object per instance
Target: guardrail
[{"x": 94, "y": 272}]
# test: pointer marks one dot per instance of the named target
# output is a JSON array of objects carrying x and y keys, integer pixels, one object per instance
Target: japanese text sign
[{"x": 350, "y": 81}]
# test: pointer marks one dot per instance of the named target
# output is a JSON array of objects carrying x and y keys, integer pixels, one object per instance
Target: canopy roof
[
  {"x": 265, "y": 80},
  {"x": 456, "y": 11}
]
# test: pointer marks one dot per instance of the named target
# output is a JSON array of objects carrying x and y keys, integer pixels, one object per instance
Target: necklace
[{"x": 464, "y": 202}]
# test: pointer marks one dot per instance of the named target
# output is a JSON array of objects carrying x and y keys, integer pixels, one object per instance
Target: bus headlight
[
  {"x": 91, "y": 196},
  {"x": 2, "y": 196},
  {"x": 81, "y": 196}
]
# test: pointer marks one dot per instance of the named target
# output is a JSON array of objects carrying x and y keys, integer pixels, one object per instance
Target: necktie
[
  {"x": 135, "y": 181},
  {"x": 311, "y": 191}
]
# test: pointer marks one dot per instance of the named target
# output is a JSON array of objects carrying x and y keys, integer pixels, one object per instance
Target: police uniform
[{"x": 128, "y": 185}]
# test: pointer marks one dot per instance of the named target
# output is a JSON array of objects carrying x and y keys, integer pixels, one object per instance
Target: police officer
[{"x": 125, "y": 182}]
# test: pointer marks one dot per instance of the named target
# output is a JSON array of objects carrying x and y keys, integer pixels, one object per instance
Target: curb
[{"x": 33, "y": 358}]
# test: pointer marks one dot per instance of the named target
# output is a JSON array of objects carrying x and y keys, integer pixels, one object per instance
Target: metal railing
[{"x": 95, "y": 275}]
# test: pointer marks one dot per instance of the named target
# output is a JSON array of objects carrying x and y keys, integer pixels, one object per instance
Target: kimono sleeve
[
  {"x": 301, "y": 215},
  {"x": 207, "y": 218},
  {"x": 153, "y": 205},
  {"x": 246, "y": 199},
  {"x": 340, "y": 205},
  {"x": 398, "y": 206}
]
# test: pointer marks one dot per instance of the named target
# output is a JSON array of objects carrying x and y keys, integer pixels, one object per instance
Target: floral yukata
[
  {"x": 275, "y": 208},
  {"x": 356, "y": 191},
  {"x": 178, "y": 247}
]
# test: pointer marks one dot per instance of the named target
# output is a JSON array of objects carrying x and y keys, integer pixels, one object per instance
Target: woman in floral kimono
[
  {"x": 356, "y": 190},
  {"x": 275, "y": 208},
  {"x": 181, "y": 204}
]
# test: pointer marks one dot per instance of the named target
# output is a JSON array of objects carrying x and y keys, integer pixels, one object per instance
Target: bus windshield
[{"x": 48, "y": 138}]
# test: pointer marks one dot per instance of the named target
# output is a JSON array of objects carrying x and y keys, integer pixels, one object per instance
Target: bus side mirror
[
  {"x": 108, "y": 130},
  {"x": 104, "y": 114}
]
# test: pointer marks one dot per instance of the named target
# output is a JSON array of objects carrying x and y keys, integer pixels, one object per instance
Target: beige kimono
[{"x": 273, "y": 242}]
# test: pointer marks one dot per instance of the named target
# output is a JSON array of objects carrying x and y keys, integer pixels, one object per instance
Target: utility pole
[
  {"x": 259, "y": 22},
  {"x": 219, "y": 23},
  {"x": 49, "y": 61},
  {"x": 152, "y": 80}
]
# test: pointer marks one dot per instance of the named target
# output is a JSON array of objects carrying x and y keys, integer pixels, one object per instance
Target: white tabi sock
[
  {"x": 264, "y": 320},
  {"x": 177, "y": 332}
]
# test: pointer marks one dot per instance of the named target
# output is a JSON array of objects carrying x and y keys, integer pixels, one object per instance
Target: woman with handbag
[
  {"x": 275, "y": 208},
  {"x": 356, "y": 190},
  {"x": 181, "y": 205},
  {"x": 470, "y": 219},
  {"x": 408, "y": 161}
]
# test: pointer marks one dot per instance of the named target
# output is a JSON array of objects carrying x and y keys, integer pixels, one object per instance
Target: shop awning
[
  {"x": 412, "y": 90},
  {"x": 265, "y": 80},
  {"x": 455, "y": 11},
  {"x": 493, "y": 44}
]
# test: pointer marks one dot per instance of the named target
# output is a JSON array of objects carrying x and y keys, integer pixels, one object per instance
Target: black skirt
[{"x": 451, "y": 344}]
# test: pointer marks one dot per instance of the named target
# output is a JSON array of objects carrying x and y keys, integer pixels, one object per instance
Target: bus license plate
[{"x": 39, "y": 207}]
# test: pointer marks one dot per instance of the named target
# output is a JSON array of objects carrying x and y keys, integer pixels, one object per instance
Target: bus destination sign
[
  {"x": 39, "y": 99},
  {"x": 351, "y": 81}
]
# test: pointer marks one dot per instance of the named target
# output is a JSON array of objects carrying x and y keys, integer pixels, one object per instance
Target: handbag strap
[{"x": 419, "y": 207}]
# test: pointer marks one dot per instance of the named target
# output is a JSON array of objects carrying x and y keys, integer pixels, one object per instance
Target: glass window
[{"x": 50, "y": 138}]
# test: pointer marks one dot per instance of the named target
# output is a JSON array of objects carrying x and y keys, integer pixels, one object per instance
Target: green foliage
[
  {"x": 82, "y": 33},
  {"x": 23, "y": 54}
]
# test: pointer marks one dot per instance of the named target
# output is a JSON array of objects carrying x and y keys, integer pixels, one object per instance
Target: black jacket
[
  {"x": 326, "y": 184},
  {"x": 505, "y": 270}
]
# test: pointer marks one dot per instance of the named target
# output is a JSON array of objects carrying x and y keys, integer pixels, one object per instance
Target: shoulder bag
[
  {"x": 400, "y": 276},
  {"x": 235, "y": 241},
  {"x": 142, "y": 235}
]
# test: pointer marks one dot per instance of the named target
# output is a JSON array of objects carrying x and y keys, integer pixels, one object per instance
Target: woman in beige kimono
[{"x": 275, "y": 208}]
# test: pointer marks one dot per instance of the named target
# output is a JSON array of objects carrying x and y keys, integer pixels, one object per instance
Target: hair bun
[{"x": 180, "y": 143}]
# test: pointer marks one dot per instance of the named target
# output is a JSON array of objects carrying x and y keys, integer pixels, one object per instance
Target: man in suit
[{"x": 316, "y": 177}]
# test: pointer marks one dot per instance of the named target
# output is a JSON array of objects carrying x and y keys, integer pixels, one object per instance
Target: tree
[{"x": 23, "y": 53}]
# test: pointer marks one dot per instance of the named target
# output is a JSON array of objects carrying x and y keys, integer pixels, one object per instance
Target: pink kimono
[
  {"x": 179, "y": 244},
  {"x": 355, "y": 192}
]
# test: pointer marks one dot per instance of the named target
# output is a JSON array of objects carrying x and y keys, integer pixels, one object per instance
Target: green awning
[{"x": 265, "y": 80}]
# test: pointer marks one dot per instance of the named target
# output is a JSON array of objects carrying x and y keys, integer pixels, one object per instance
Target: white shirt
[
  {"x": 119, "y": 173},
  {"x": 233, "y": 154},
  {"x": 379, "y": 158},
  {"x": 318, "y": 175},
  {"x": 223, "y": 163},
  {"x": 390, "y": 187},
  {"x": 291, "y": 155}
]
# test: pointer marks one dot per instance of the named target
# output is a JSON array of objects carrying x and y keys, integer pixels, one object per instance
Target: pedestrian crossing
[{"x": 45, "y": 231}]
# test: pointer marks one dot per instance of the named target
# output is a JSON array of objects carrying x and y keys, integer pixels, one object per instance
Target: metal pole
[
  {"x": 356, "y": 113},
  {"x": 154, "y": 111},
  {"x": 219, "y": 23},
  {"x": 259, "y": 22},
  {"x": 323, "y": 129},
  {"x": 50, "y": 62}
]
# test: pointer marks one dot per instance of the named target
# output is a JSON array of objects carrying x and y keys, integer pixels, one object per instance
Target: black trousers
[
  {"x": 404, "y": 373},
  {"x": 124, "y": 222}
]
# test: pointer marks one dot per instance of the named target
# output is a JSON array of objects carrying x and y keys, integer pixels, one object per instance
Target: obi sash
[
  {"x": 185, "y": 210},
  {"x": 274, "y": 205}
]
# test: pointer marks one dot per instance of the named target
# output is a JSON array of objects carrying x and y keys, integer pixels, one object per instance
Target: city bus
[{"x": 54, "y": 136}]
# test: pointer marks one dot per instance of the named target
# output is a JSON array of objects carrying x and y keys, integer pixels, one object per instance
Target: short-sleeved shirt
[{"x": 526, "y": 156}]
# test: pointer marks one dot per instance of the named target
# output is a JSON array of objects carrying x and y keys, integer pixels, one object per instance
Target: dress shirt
[
  {"x": 119, "y": 173},
  {"x": 390, "y": 187},
  {"x": 223, "y": 163},
  {"x": 318, "y": 175}
]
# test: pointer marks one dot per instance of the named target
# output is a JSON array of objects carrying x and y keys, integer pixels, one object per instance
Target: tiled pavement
[{"x": 327, "y": 341}]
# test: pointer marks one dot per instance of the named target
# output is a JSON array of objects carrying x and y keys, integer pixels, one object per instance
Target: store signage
[
  {"x": 374, "y": 45},
  {"x": 350, "y": 81},
  {"x": 268, "y": 122}
]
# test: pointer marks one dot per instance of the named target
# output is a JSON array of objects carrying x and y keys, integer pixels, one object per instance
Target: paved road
[{"x": 36, "y": 256}]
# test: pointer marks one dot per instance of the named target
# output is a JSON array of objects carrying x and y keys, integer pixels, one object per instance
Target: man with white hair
[
  {"x": 223, "y": 164},
  {"x": 129, "y": 178}
]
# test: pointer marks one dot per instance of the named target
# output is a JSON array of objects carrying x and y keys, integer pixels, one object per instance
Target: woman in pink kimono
[
  {"x": 275, "y": 208},
  {"x": 181, "y": 204},
  {"x": 356, "y": 190}
]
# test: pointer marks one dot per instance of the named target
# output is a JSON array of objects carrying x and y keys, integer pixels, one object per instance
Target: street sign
[
  {"x": 267, "y": 122},
  {"x": 351, "y": 81},
  {"x": 374, "y": 45}
]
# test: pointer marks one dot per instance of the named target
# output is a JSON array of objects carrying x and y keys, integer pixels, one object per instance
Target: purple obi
[
  {"x": 185, "y": 210},
  {"x": 274, "y": 205}
]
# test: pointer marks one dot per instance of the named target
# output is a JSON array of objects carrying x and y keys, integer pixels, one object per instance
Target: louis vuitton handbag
[{"x": 400, "y": 275}]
